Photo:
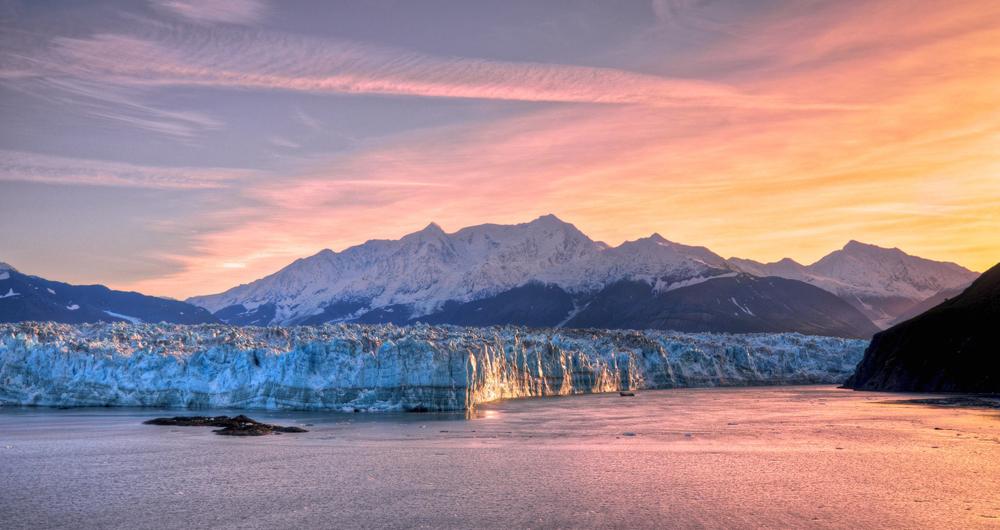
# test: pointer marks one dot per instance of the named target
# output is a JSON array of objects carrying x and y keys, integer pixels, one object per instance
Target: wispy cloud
[
  {"x": 32, "y": 167},
  {"x": 760, "y": 183},
  {"x": 236, "y": 58},
  {"x": 213, "y": 11},
  {"x": 283, "y": 142},
  {"x": 733, "y": 163},
  {"x": 308, "y": 120},
  {"x": 26, "y": 68},
  {"x": 686, "y": 14},
  {"x": 108, "y": 75},
  {"x": 119, "y": 104}
]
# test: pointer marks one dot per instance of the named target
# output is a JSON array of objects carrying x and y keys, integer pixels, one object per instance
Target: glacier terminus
[{"x": 357, "y": 367}]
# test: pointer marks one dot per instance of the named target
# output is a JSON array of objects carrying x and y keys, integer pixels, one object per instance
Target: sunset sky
[{"x": 183, "y": 147}]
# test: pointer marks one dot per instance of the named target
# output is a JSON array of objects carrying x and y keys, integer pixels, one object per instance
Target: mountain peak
[
  {"x": 551, "y": 224},
  {"x": 433, "y": 228},
  {"x": 6, "y": 267},
  {"x": 653, "y": 240},
  {"x": 431, "y": 231},
  {"x": 855, "y": 246},
  {"x": 786, "y": 262},
  {"x": 549, "y": 220}
]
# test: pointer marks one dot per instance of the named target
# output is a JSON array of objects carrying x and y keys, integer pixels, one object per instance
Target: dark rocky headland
[{"x": 953, "y": 347}]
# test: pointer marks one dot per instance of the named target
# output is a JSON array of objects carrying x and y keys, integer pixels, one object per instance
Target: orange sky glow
[{"x": 874, "y": 121}]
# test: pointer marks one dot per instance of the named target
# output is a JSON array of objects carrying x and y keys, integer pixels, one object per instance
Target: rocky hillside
[
  {"x": 954, "y": 347},
  {"x": 25, "y": 297}
]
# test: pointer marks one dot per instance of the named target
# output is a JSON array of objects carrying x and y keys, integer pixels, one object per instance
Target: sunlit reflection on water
[{"x": 751, "y": 457}]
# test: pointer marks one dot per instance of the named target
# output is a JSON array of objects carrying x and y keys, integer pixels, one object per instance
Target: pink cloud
[
  {"x": 241, "y": 59},
  {"x": 907, "y": 159},
  {"x": 915, "y": 169}
]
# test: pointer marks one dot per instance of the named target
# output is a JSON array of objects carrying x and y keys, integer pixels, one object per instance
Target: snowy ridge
[
  {"x": 427, "y": 268},
  {"x": 416, "y": 276},
  {"x": 881, "y": 282},
  {"x": 863, "y": 270},
  {"x": 384, "y": 367}
]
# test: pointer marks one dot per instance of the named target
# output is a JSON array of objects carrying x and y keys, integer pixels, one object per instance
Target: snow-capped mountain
[
  {"x": 663, "y": 264},
  {"x": 883, "y": 283},
  {"x": 24, "y": 297},
  {"x": 542, "y": 273},
  {"x": 549, "y": 273},
  {"x": 424, "y": 270}
]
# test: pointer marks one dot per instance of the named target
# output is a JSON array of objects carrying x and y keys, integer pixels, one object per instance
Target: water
[{"x": 749, "y": 457}]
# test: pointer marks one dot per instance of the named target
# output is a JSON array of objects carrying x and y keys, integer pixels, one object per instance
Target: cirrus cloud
[
  {"x": 213, "y": 11},
  {"x": 48, "y": 169},
  {"x": 242, "y": 59}
]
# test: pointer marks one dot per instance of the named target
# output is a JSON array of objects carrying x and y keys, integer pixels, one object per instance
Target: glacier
[{"x": 357, "y": 367}]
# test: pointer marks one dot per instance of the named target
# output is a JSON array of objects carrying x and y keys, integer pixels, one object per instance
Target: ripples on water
[{"x": 751, "y": 457}]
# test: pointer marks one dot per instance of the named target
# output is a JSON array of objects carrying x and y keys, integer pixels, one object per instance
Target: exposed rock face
[
  {"x": 736, "y": 304},
  {"x": 954, "y": 347},
  {"x": 231, "y": 426},
  {"x": 534, "y": 304},
  {"x": 384, "y": 367}
]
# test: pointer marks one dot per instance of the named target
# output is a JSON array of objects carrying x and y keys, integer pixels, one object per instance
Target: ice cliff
[{"x": 385, "y": 367}]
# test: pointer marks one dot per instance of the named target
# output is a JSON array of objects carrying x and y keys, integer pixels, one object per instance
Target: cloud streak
[
  {"x": 917, "y": 170},
  {"x": 117, "y": 104},
  {"x": 26, "y": 69},
  {"x": 106, "y": 75},
  {"x": 46, "y": 169},
  {"x": 231, "y": 58},
  {"x": 759, "y": 162},
  {"x": 215, "y": 11}
]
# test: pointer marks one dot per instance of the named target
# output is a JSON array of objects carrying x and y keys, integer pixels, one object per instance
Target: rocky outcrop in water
[
  {"x": 385, "y": 367},
  {"x": 230, "y": 426},
  {"x": 954, "y": 347}
]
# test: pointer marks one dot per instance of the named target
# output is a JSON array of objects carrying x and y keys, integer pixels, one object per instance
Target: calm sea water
[{"x": 750, "y": 457}]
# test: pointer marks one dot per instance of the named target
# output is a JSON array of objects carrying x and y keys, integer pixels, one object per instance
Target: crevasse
[{"x": 385, "y": 367}]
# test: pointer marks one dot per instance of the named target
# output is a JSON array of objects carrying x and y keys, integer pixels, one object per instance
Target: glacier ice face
[{"x": 385, "y": 367}]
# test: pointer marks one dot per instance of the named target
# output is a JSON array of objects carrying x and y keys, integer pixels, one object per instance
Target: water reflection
[{"x": 744, "y": 457}]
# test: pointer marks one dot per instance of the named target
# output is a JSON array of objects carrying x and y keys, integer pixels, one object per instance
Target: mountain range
[
  {"x": 544, "y": 273},
  {"x": 549, "y": 273},
  {"x": 24, "y": 297},
  {"x": 886, "y": 284}
]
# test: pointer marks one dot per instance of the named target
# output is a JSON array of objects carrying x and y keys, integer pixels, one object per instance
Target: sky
[{"x": 182, "y": 147}]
